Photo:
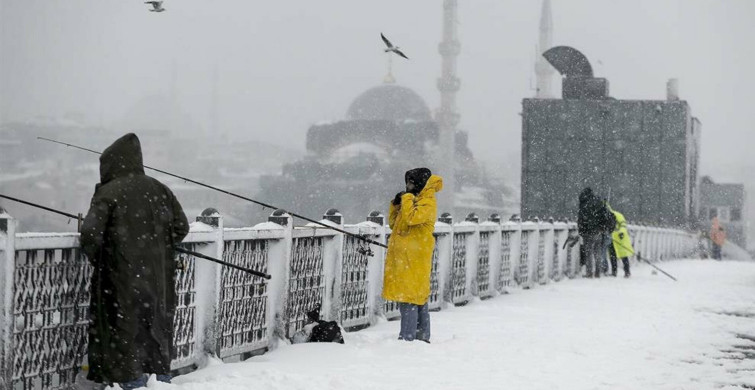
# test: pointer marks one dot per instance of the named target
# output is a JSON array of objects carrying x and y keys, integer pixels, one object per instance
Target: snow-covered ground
[{"x": 646, "y": 332}]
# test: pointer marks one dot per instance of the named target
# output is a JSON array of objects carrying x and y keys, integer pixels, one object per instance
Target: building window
[
  {"x": 724, "y": 214},
  {"x": 736, "y": 215}
]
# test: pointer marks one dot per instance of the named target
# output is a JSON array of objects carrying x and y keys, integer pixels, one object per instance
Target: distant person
[
  {"x": 410, "y": 250},
  {"x": 606, "y": 238},
  {"x": 591, "y": 223},
  {"x": 717, "y": 238},
  {"x": 127, "y": 235},
  {"x": 622, "y": 244}
]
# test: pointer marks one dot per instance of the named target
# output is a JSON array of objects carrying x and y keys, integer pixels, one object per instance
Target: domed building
[{"x": 357, "y": 164}]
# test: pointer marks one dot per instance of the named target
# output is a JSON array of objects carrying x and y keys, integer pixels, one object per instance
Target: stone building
[
  {"x": 642, "y": 154},
  {"x": 727, "y": 202}
]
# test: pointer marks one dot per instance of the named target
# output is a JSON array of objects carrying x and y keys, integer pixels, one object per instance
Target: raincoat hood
[
  {"x": 585, "y": 195},
  {"x": 122, "y": 158},
  {"x": 434, "y": 184},
  {"x": 419, "y": 177}
]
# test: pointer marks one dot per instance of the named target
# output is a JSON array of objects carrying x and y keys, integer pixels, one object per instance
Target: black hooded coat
[
  {"x": 127, "y": 235},
  {"x": 593, "y": 214}
]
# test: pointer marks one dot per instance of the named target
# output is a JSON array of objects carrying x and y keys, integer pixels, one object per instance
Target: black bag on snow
[{"x": 324, "y": 331}]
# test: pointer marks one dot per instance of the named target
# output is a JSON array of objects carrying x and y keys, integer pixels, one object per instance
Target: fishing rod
[
  {"x": 176, "y": 248},
  {"x": 79, "y": 217},
  {"x": 197, "y": 254},
  {"x": 639, "y": 257},
  {"x": 365, "y": 239}
]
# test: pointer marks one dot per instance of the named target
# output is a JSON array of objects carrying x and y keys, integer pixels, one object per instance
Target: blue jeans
[
  {"x": 142, "y": 382},
  {"x": 415, "y": 322}
]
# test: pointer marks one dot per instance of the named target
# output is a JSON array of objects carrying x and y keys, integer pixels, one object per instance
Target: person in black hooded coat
[
  {"x": 592, "y": 221},
  {"x": 127, "y": 235}
]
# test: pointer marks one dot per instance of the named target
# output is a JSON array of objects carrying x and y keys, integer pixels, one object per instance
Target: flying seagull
[
  {"x": 157, "y": 6},
  {"x": 392, "y": 48}
]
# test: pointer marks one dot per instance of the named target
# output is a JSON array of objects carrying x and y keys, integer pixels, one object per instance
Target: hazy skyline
[{"x": 283, "y": 66}]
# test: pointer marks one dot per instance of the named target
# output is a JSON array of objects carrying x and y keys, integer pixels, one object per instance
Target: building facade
[
  {"x": 727, "y": 202},
  {"x": 641, "y": 155}
]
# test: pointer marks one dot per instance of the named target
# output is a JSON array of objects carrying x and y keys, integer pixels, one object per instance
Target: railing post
[
  {"x": 494, "y": 253},
  {"x": 530, "y": 248},
  {"x": 7, "y": 265},
  {"x": 207, "y": 280},
  {"x": 445, "y": 245},
  {"x": 279, "y": 268},
  {"x": 332, "y": 260},
  {"x": 375, "y": 269},
  {"x": 549, "y": 252},
  {"x": 515, "y": 245},
  {"x": 473, "y": 248}
]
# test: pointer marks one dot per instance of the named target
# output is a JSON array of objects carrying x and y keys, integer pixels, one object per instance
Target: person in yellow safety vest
[
  {"x": 622, "y": 244},
  {"x": 718, "y": 237}
]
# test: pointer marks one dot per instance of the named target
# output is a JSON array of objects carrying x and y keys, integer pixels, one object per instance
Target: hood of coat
[
  {"x": 419, "y": 177},
  {"x": 586, "y": 195},
  {"x": 122, "y": 158},
  {"x": 434, "y": 184}
]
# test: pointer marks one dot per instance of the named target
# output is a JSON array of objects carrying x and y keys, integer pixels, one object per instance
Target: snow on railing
[{"x": 45, "y": 283}]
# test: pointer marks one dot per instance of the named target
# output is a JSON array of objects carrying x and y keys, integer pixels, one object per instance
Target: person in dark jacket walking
[
  {"x": 127, "y": 235},
  {"x": 592, "y": 220}
]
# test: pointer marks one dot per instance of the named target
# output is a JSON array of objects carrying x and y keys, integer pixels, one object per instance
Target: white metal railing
[{"x": 44, "y": 285}]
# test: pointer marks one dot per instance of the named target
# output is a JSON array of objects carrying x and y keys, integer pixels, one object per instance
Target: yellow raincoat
[
  {"x": 410, "y": 248},
  {"x": 623, "y": 246}
]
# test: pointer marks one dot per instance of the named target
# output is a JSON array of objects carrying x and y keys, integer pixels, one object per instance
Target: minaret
[
  {"x": 389, "y": 79},
  {"x": 447, "y": 117},
  {"x": 213, "y": 128},
  {"x": 543, "y": 69},
  {"x": 172, "y": 115}
]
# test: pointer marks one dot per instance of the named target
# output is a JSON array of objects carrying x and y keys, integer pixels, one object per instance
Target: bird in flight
[
  {"x": 157, "y": 6},
  {"x": 392, "y": 48}
]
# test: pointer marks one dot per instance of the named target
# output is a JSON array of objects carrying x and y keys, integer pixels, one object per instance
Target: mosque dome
[{"x": 389, "y": 102}]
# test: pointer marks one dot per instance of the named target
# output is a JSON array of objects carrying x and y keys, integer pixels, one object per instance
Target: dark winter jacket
[
  {"x": 593, "y": 215},
  {"x": 127, "y": 235}
]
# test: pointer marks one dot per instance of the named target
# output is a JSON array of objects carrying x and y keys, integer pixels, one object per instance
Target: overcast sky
[{"x": 283, "y": 65}]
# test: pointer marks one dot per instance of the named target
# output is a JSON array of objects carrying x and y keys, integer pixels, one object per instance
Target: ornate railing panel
[
  {"x": 483, "y": 264},
  {"x": 555, "y": 266},
  {"x": 505, "y": 277},
  {"x": 459, "y": 268},
  {"x": 540, "y": 257},
  {"x": 354, "y": 283},
  {"x": 184, "y": 320},
  {"x": 51, "y": 317},
  {"x": 243, "y": 298},
  {"x": 306, "y": 283},
  {"x": 524, "y": 256}
]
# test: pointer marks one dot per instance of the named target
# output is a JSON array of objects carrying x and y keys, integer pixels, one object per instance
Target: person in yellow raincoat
[
  {"x": 718, "y": 237},
  {"x": 408, "y": 262},
  {"x": 622, "y": 244}
]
